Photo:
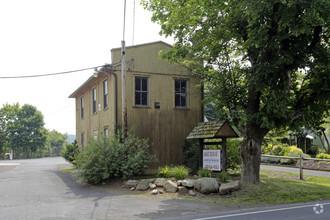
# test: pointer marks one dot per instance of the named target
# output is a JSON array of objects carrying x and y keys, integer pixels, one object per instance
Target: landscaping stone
[
  {"x": 160, "y": 181},
  {"x": 188, "y": 183},
  {"x": 144, "y": 184},
  {"x": 154, "y": 192},
  {"x": 179, "y": 182},
  {"x": 192, "y": 193},
  {"x": 171, "y": 187},
  {"x": 182, "y": 190},
  {"x": 130, "y": 183},
  {"x": 133, "y": 188},
  {"x": 152, "y": 186},
  {"x": 206, "y": 185},
  {"x": 232, "y": 186}
]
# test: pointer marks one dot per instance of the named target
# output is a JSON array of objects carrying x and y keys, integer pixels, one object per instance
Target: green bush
[
  {"x": 70, "y": 152},
  {"x": 205, "y": 173},
  {"x": 105, "y": 158},
  {"x": 191, "y": 155},
  {"x": 164, "y": 172},
  {"x": 323, "y": 156},
  {"x": 223, "y": 176},
  {"x": 233, "y": 157},
  {"x": 178, "y": 172}
]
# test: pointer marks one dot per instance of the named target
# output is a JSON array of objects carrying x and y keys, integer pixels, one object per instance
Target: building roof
[{"x": 213, "y": 129}]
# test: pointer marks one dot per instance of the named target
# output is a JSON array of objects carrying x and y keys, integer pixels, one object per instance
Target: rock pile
[{"x": 183, "y": 187}]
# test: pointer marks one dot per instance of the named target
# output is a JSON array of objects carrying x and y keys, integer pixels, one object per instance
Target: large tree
[
  {"x": 266, "y": 62},
  {"x": 23, "y": 128}
]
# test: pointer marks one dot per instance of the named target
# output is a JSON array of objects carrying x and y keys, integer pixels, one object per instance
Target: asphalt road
[
  {"x": 35, "y": 189},
  {"x": 296, "y": 170}
]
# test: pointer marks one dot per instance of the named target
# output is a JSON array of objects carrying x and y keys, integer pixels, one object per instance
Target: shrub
[
  {"x": 323, "y": 156},
  {"x": 178, "y": 172},
  {"x": 191, "y": 155},
  {"x": 233, "y": 157},
  {"x": 70, "y": 152},
  {"x": 223, "y": 176},
  {"x": 205, "y": 173},
  {"x": 164, "y": 172},
  {"x": 105, "y": 158}
]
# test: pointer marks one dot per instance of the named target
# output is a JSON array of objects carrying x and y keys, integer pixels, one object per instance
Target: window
[
  {"x": 106, "y": 132},
  {"x": 105, "y": 94},
  {"x": 181, "y": 95},
  {"x": 141, "y": 91},
  {"x": 94, "y": 99},
  {"x": 82, "y": 139},
  {"x": 82, "y": 106}
]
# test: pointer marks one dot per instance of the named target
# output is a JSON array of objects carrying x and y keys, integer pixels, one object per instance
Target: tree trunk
[
  {"x": 251, "y": 156},
  {"x": 250, "y": 149}
]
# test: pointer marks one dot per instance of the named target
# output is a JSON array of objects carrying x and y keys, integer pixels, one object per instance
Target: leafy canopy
[{"x": 264, "y": 62}]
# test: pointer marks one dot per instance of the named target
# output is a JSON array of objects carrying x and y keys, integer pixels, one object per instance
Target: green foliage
[
  {"x": 55, "y": 143},
  {"x": 178, "y": 172},
  {"x": 224, "y": 177},
  {"x": 191, "y": 155},
  {"x": 70, "y": 152},
  {"x": 23, "y": 128},
  {"x": 104, "y": 158},
  {"x": 265, "y": 64},
  {"x": 233, "y": 157},
  {"x": 323, "y": 156},
  {"x": 164, "y": 172},
  {"x": 205, "y": 172}
]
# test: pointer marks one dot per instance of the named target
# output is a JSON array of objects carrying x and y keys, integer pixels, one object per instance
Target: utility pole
[
  {"x": 123, "y": 90},
  {"x": 123, "y": 80}
]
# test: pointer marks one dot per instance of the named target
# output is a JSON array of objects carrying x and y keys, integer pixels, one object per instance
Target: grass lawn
[
  {"x": 281, "y": 187},
  {"x": 275, "y": 188}
]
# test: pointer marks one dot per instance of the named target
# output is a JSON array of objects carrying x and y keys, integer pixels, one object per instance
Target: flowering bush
[
  {"x": 178, "y": 172},
  {"x": 205, "y": 172}
]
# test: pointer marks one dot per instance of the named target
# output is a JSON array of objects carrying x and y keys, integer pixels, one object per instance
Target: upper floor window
[
  {"x": 82, "y": 106},
  {"x": 94, "y": 99},
  {"x": 141, "y": 91},
  {"x": 181, "y": 95},
  {"x": 105, "y": 94}
]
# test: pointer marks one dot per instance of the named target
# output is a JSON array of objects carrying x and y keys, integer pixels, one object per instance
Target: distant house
[{"x": 163, "y": 101}]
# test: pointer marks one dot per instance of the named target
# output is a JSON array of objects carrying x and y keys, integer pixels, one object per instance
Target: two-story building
[{"x": 163, "y": 101}]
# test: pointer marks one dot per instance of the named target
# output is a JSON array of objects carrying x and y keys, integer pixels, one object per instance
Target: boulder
[
  {"x": 144, "y": 184},
  {"x": 206, "y": 185},
  {"x": 160, "y": 181},
  {"x": 182, "y": 190},
  {"x": 192, "y": 193},
  {"x": 130, "y": 183},
  {"x": 188, "y": 183},
  {"x": 152, "y": 186},
  {"x": 170, "y": 186},
  {"x": 154, "y": 192},
  {"x": 179, "y": 182},
  {"x": 232, "y": 186}
]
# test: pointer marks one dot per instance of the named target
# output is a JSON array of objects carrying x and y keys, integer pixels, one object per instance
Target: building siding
[{"x": 165, "y": 127}]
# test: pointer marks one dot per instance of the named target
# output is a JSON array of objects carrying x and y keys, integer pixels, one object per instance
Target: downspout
[{"x": 116, "y": 95}]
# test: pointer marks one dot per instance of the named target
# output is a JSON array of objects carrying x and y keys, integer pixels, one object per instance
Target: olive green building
[{"x": 163, "y": 101}]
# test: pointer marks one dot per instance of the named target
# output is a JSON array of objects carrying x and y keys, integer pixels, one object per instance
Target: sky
[{"x": 43, "y": 37}]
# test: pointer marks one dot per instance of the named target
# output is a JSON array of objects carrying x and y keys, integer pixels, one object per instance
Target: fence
[{"x": 301, "y": 161}]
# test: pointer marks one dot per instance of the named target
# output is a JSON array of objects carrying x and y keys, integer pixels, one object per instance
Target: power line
[{"x": 49, "y": 74}]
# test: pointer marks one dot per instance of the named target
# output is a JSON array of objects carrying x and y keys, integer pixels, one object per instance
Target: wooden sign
[{"x": 212, "y": 160}]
